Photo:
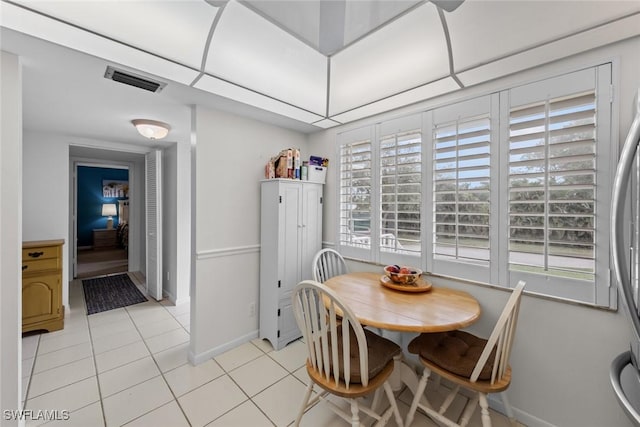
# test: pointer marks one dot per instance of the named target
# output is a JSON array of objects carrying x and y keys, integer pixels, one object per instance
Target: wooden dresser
[{"x": 42, "y": 285}]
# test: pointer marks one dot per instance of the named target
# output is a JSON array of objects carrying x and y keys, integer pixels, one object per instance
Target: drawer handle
[
  {"x": 24, "y": 267},
  {"x": 35, "y": 254}
]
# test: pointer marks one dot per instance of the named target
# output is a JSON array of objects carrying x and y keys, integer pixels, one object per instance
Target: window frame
[
  {"x": 475, "y": 107},
  {"x": 600, "y": 292}
]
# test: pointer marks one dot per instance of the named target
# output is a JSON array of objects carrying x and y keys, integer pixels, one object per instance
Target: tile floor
[{"x": 129, "y": 367}]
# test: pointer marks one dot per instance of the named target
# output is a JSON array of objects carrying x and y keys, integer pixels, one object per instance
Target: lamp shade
[
  {"x": 151, "y": 129},
  {"x": 109, "y": 209}
]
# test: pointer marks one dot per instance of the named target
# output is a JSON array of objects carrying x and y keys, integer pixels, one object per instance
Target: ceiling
[{"x": 300, "y": 64}]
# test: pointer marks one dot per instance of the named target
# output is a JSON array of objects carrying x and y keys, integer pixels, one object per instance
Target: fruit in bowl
[{"x": 402, "y": 275}]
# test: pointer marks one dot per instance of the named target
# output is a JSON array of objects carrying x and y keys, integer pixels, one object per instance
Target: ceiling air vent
[{"x": 131, "y": 79}]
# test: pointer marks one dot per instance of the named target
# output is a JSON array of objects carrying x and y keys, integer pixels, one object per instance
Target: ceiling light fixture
[{"x": 151, "y": 129}]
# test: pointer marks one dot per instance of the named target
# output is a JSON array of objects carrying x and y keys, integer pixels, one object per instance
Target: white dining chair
[
  {"x": 344, "y": 359},
  {"x": 478, "y": 365},
  {"x": 326, "y": 264}
]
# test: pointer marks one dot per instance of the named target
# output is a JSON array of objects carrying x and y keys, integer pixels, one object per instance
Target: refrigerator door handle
[
  {"x": 615, "y": 372},
  {"x": 620, "y": 185}
]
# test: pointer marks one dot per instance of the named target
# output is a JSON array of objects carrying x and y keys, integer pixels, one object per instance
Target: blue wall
[{"x": 90, "y": 200}]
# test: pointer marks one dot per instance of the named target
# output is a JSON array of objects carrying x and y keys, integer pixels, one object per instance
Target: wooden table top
[{"x": 440, "y": 309}]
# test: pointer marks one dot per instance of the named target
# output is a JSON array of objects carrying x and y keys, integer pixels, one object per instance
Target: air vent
[{"x": 131, "y": 79}]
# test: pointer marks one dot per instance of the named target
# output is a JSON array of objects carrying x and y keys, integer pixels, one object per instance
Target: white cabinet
[{"x": 290, "y": 236}]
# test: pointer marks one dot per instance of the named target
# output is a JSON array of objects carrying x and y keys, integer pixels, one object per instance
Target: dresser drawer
[
  {"x": 41, "y": 265},
  {"x": 39, "y": 253}
]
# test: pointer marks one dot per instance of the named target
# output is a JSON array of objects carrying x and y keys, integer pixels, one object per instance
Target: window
[
  {"x": 509, "y": 186},
  {"x": 464, "y": 196},
  {"x": 355, "y": 192},
  {"x": 401, "y": 192},
  {"x": 381, "y": 192},
  {"x": 461, "y": 190},
  {"x": 557, "y": 174},
  {"x": 552, "y": 187}
]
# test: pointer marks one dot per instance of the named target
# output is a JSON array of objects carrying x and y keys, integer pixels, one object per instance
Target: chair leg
[
  {"x": 355, "y": 418},
  {"x": 416, "y": 398},
  {"x": 484, "y": 406},
  {"x": 305, "y": 402},
  {"x": 376, "y": 399},
  {"x": 508, "y": 409},
  {"x": 469, "y": 409},
  {"x": 394, "y": 404}
]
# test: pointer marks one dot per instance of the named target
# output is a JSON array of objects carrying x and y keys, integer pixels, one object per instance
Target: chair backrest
[
  {"x": 326, "y": 322},
  {"x": 326, "y": 264},
  {"x": 501, "y": 338}
]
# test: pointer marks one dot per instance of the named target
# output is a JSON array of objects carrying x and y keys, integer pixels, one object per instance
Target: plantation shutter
[
  {"x": 399, "y": 195},
  {"x": 462, "y": 156},
  {"x": 552, "y": 186},
  {"x": 558, "y": 177},
  {"x": 400, "y": 192},
  {"x": 355, "y": 155},
  {"x": 461, "y": 195}
]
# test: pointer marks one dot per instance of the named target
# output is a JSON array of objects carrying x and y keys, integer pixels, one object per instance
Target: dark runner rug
[{"x": 106, "y": 293}]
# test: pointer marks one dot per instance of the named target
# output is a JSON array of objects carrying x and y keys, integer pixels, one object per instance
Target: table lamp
[{"x": 109, "y": 209}]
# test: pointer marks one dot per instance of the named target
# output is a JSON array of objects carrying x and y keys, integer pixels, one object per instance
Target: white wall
[
  {"x": 230, "y": 159},
  {"x": 183, "y": 223},
  {"x": 169, "y": 235},
  {"x": 563, "y": 351},
  {"x": 10, "y": 232},
  {"x": 45, "y": 194},
  {"x": 176, "y": 222}
]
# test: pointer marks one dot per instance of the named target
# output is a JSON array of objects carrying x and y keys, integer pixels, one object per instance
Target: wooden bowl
[{"x": 402, "y": 278}]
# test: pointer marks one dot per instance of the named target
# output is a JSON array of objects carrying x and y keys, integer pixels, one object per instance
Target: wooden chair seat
[
  {"x": 455, "y": 351},
  {"x": 354, "y": 390},
  {"x": 482, "y": 386},
  {"x": 380, "y": 354}
]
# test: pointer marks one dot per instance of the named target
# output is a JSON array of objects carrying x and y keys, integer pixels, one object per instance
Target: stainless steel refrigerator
[{"x": 625, "y": 241}]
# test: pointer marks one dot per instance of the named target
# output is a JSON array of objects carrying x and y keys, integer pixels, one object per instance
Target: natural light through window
[
  {"x": 355, "y": 194},
  {"x": 461, "y": 190},
  {"x": 552, "y": 164},
  {"x": 400, "y": 192}
]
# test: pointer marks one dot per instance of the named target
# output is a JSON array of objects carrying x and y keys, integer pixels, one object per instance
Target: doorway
[{"x": 102, "y": 219}]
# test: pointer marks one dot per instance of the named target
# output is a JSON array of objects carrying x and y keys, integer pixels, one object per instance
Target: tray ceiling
[{"x": 326, "y": 62}]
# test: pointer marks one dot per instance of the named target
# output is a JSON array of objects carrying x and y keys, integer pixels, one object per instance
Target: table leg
[
  {"x": 403, "y": 372},
  {"x": 395, "y": 379},
  {"x": 409, "y": 377}
]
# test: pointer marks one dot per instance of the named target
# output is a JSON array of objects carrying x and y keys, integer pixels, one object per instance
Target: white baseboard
[
  {"x": 169, "y": 296},
  {"x": 196, "y": 359},
  {"x": 181, "y": 301},
  {"x": 173, "y": 299},
  {"x": 495, "y": 402}
]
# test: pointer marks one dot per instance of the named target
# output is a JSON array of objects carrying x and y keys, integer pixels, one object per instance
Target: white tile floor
[{"x": 129, "y": 367}]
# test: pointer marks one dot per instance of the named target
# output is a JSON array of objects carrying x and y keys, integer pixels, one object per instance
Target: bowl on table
[{"x": 402, "y": 275}]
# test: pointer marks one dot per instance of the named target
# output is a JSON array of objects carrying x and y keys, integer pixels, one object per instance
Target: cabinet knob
[
  {"x": 35, "y": 254},
  {"x": 24, "y": 267}
]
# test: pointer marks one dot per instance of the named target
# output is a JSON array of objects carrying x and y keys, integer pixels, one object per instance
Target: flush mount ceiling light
[{"x": 151, "y": 129}]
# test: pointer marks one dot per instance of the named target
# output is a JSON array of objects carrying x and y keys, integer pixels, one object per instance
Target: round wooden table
[{"x": 439, "y": 309}]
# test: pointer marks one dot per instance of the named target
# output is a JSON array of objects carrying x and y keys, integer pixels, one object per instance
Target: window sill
[{"x": 497, "y": 287}]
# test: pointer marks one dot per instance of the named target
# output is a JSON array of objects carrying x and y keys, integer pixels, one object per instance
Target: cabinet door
[
  {"x": 290, "y": 224},
  {"x": 311, "y": 227},
  {"x": 287, "y": 324},
  {"x": 41, "y": 298}
]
